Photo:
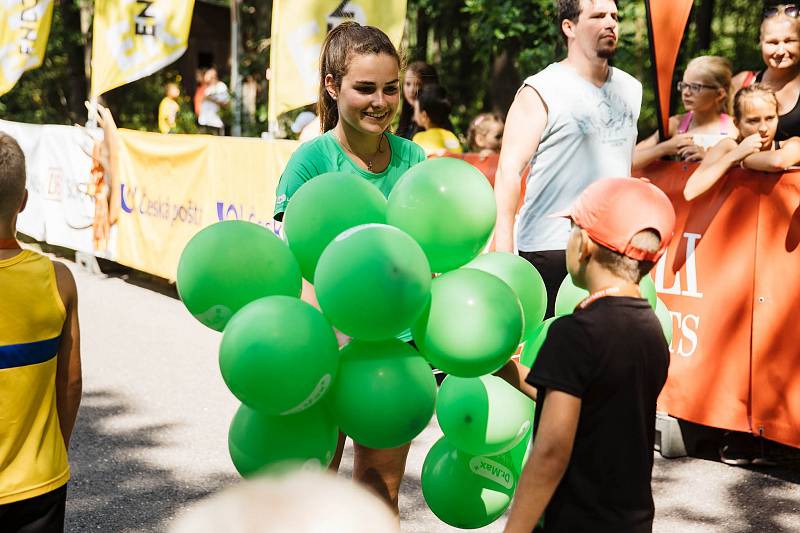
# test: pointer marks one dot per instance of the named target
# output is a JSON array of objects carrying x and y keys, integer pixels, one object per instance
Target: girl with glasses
[
  {"x": 780, "y": 50},
  {"x": 705, "y": 91}
]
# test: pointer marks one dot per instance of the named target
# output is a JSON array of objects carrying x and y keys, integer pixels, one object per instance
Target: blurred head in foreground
[{"x": 300, "y": 501}]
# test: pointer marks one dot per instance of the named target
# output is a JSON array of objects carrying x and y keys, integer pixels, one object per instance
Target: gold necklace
[{"x": 369, "y": 161}]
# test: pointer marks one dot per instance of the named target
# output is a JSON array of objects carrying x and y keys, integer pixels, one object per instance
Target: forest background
[{"x": 469, "y": 41}]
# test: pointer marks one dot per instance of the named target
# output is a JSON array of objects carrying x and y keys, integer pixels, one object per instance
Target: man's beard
[{"x": 607, "y": 52}]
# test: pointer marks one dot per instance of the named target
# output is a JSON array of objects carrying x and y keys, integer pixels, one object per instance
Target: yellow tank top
[
  {"x": 438, "y": 141},
  {"x": 33, "y": 459}
]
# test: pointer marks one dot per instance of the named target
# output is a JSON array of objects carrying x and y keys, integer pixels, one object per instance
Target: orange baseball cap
[{"x": 613, "y": 210}]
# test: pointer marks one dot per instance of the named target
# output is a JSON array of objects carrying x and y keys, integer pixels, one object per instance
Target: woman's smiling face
[
  {"x": 370, "y": 93},
  {"x": 780, "y": 43}
]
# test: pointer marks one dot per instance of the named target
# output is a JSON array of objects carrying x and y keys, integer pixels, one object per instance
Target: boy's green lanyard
[{"x": 9, "y": 244}]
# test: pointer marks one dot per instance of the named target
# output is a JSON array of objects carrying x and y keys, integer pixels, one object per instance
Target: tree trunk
[
  {"x": 423, "y": 29},
  {"x": 505, "y": 79},
  {"x": 77, "y": 90},
  {"x": 703, "y": 15}
]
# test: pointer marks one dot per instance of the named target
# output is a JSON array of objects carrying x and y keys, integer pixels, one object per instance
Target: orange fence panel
[
  {"x": 776, "y": 336},
  {"x": 730, "y": 279}
]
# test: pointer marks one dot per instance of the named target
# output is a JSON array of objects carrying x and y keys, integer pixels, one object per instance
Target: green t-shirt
[{"x": 324, "y": 154}]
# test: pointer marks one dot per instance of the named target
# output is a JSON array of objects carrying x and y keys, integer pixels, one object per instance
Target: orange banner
[
  {"x": 667, "y": 22},
  {"x": 731, "y": 278}
]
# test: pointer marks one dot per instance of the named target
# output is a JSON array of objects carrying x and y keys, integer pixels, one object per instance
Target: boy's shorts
[{"x": 41, "y": 514}]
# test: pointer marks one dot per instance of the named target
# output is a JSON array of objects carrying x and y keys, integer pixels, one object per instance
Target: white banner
[{"x": 61, "y": 203}]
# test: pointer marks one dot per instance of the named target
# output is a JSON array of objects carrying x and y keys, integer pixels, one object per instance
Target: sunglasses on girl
[{"x": 790, "y": 10}]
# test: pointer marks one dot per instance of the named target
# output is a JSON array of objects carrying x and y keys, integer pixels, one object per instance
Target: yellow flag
[
  {"x": 24, "y": 28},
  {"x": 298, "y": 29},
  {"x": 135, "y": 38}
]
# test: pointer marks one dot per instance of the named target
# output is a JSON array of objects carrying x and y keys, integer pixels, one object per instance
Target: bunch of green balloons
[
  {"x": 370, "y": 261},
  {"x": 278, "y": 354}
]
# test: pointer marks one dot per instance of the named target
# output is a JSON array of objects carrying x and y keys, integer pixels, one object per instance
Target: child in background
[
  {"x": 168, "y": 109},
  {"x": 40, "y": 367},
  {"x": 418, "y": 74},
  {"x": 485, "y": 134},
  {"x": 599, "y": 372},
  {"x": 705, "y": 91},
  {"x": 432, "y": 112},
  {"x": 756, "y": 115}
]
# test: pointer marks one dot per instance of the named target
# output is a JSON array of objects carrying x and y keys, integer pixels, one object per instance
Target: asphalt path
[{"x": 151, "y": 433}]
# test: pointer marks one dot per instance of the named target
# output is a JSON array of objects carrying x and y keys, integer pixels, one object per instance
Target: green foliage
[{"x": 482, "y": 48}]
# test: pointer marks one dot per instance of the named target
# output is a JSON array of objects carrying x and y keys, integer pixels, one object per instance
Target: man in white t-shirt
[
  {"x": 572, "y": 123},
  {"x": 214, "y": 98}
]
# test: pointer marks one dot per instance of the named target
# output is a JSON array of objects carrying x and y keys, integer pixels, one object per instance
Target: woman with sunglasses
[
  {"x": 705, "y": 91},
  {"x": 780, "y": 49}
]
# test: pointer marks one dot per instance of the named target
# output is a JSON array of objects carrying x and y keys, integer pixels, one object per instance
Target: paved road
[{"x": 151, "y": 435}]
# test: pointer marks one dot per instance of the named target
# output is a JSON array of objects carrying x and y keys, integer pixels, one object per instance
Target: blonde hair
[
  {"x": 716, "y": 71},
  {"x": 281, "y": 503},
  {"x": 752, "y": 91},
  {"x": 480, "y": 125}
]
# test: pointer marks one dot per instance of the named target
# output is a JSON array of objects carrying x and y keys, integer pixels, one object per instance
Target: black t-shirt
[{"x": 612, "y": 355}]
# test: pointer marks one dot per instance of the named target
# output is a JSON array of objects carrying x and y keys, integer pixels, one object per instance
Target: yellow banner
[
  {"x": 135, "y": 38},
  {"x": 298, "y": 29},
  {"x": 174, "y": 185},
  {"x": 24, "y": 28}
]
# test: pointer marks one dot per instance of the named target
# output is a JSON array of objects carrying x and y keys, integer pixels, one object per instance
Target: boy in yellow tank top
[{"x": 40, "y": 367}]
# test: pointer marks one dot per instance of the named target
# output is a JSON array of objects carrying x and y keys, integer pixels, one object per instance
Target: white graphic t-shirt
[{"x": 590, "y": 134}]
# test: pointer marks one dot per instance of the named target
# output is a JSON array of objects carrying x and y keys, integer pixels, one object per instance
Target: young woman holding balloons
[{"x": 359, "y": 96}]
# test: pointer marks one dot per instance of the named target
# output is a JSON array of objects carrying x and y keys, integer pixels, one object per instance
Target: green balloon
[
  {"x": 228, "y": 265},
  {"x": 472, "y": 324},
  {"x": 448, "y": 206},
  {"x": 467, "y": 491},
  {"x": 483, "y": 415},
  {"x": 372, "y": 282},
  {"x": 324, "y": 207},
  {"x": 648, "y": 290},
  {"x": 530, "y": 350},
  {"x": 384, "y": 393},
  {"x": 665, "y": 318},
  {"x": 569, "y": 295},
  {"x": 278, "y": 355},
  {"x": 519, "y": 454},
  {"x": 524, "y": 280},
  {"x": 257, "y": 441}
]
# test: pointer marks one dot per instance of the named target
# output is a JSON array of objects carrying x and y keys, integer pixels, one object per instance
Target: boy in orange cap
[
  {"x": 40, "y": 368},
  {"x": 599, "y": 372}
]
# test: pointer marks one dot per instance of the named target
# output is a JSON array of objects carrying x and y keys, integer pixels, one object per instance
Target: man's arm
[
  {"x": 68, "y": 366},
  {"x": 552, "y": 449},
  {"x": 524, "y": 127}
]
